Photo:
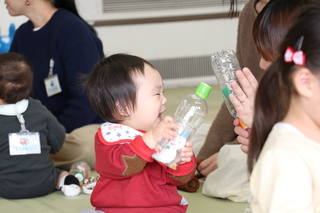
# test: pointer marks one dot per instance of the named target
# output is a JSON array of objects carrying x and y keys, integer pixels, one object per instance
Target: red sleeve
[
  {"x": 140, "y": 148},
  {"x": 183, "y": 174},
  {"x": 110, "y": 156}
]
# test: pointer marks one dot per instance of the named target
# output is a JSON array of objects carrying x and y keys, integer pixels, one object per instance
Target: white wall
[
  {"x": 158, "y": 41},
  {"x": 6, "y": 20},
  {"x": 166, "y": 40}
]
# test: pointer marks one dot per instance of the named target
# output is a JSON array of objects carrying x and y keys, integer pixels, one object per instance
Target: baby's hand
[
  {"x": 186, "y": 153},
  {"x": 164, "y": 130}
]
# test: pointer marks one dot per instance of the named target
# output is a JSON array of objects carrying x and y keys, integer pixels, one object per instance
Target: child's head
[
  {"x": 272, "y": 24},
  {"x": 290, "y": 81},
  {"x": 126, "y": 89},
  {"x": 15, "y": 77}
]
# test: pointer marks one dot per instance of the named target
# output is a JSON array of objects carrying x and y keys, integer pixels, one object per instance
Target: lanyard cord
[
  {"x": 51, "y": 64},
  {"x": 22, "y": 123}
]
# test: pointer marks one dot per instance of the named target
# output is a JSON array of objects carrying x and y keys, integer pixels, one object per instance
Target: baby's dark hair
[
  {"x": 111, "y": 87},
  {"x": 16, "y": 76},
  {"x": 276, "y": 87}
]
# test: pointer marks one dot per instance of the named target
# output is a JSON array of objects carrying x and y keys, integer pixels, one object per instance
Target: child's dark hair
[
  {"x": 273, "y": 22},
  {"x": 111, "y": 87},
  {"x": 71, "y": 6},
  {"x": 16, "y": 76},
  {"x": 276, "y": 87}
]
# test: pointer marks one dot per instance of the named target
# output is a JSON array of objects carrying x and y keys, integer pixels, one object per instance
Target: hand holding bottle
[
  {"x": 245, "y": 109},
  {"x": 244, "y": 97},
  {"x": 225, "y": 64},
  {"x": 186, "y": 153},
  {"x": 189, "y": 115},
  {"x": 165, "y": 130},
  {"x": 243, "y": 135}
]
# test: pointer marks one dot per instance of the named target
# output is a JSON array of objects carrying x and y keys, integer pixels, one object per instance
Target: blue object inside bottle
[{"x": 185, "y": 134}]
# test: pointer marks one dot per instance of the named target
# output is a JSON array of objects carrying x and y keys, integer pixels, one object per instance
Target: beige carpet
[{"x": 198, "y": 203}]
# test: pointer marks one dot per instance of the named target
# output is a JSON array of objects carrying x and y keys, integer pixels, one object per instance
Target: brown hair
[
  {"x": 273, "y": 22},
  {"x": 111, "y": 87},
  {"x": 233, "y": 8},
  {"x": 16, "y": 76},
  {"x": 276, "y": 87}
]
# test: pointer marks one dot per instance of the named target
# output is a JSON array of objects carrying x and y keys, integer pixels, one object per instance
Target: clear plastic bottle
[
  {"x": 81, "y": 170},
  {"x": 225, "y": 64},
  {"x": 189, "y": 115}
]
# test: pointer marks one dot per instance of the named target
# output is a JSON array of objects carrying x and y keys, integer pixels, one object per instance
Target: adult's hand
[
  {"x": 244, "y": 100},
  {"x": 243, "y": 135},
  {"x": 208, "y": 165}
]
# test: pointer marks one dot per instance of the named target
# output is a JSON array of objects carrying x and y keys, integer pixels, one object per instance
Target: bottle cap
[{"x": 203, "y": 90}]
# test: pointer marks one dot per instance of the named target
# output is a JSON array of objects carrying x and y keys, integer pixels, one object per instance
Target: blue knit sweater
[{"x": 75, "y": 49}]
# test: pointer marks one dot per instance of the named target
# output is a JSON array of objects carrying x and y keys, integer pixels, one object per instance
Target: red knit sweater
[{"x": 130, "y": 180}]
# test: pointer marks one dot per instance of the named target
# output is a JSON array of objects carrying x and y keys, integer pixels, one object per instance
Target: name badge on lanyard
[
  {"x": 52, "y": 82},
  {"x": 24, "y": 142}
]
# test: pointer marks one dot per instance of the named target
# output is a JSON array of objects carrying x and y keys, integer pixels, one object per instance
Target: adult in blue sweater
[{"x": 62, "y": 47}]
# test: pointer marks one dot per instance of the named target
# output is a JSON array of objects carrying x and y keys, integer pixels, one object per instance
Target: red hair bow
[{"x": 295, "y": 56}]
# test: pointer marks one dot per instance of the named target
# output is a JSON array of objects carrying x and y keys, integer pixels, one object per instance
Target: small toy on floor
[
  {"x": 89, "y": 184},
  {"x": 81, "y": 170},
  {"x": 70, "y": 186}
]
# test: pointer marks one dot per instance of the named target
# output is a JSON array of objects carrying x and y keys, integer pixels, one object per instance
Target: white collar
[
  {"x": 14, "y": 109},
  {"x": 289, "y": 127},
  {"x": 113, "y": 133}
]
